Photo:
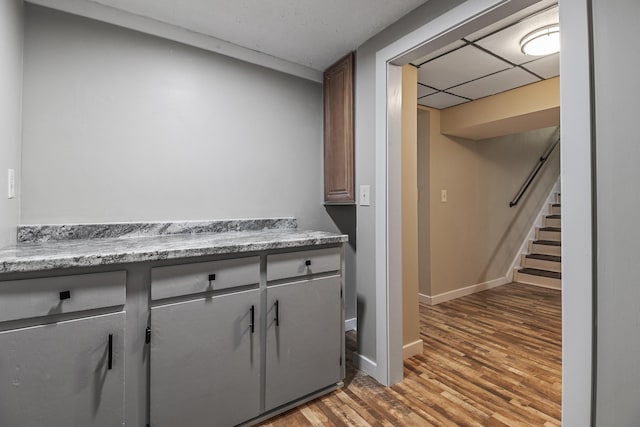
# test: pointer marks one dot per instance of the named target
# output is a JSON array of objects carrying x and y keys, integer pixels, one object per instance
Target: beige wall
[
  {"x": 410, "y": 322},
  {"x": 534, "y": 106},
  {"x": 424, "y": 252},
  {"x": 474, "y": 236}
]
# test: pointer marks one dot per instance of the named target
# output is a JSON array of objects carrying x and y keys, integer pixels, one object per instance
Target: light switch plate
[
  {"x": 11, "y": 183},
  {"x": 365, "y": 195},
  {"x": 443, "y": 195}
]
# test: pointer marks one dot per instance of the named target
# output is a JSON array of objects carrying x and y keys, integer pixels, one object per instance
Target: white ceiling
[
  {"x": 311, "y": 33},
  {"x": 488, "y": 61}
]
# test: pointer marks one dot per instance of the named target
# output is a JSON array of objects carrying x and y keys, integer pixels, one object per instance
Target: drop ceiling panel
[
  {"x": 495, "y": 83},
  {"x": 434, "y": 54},
  {"x": 547, "y": 67},
  {"x": 522, "y": 14},
  {"x": 460, "y": 66},
  {"x": 441, "y": 100},
  {"x": 424, "y": 90},
  {"x": 506, "y": 43}
]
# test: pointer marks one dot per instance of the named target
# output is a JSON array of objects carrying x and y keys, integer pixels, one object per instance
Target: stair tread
[
  {"x": 558, "y": 229},
  {"x": 543, "y": 273},
  {"x": 547, "y": 242},
  {"x": 556, "y": 205},
  {"x": 543, "y": 257},
  {"x": 556, "y": 216}
]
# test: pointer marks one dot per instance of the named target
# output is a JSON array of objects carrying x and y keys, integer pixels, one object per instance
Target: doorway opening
[{"x": 473, "y": 36}]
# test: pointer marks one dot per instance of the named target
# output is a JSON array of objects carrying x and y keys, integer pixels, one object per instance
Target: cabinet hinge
[{"x": 147, "y": 335}]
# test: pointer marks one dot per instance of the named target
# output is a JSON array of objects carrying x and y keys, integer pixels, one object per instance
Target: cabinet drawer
[
  {"x": 22, "y": 299},
  {"x": 185, "y": 279},
  {"x": 303, "y": 263}
]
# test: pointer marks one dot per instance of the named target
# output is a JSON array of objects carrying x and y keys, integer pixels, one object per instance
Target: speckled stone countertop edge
[
  {"x": 39, "y": 233},
  {"x": 102, "y": 252}
]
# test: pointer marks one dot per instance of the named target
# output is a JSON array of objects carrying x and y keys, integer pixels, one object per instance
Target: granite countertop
[{"x": 56, "y": 247}]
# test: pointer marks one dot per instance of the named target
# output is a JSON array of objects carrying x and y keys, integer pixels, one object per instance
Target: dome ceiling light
[{"x": 543, "y": 41}]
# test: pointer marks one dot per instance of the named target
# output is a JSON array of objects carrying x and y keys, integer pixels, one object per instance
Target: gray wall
[
  {"x": 122, "y": 126},
  {"x": 365, "y": 162},
  {"x": 11, "y": 42},
  {"x": 617, "y": 104}
]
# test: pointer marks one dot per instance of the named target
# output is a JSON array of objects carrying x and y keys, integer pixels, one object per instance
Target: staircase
[{"x": 542, "y": 266}]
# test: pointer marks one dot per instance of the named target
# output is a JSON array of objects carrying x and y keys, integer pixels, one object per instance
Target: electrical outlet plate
[
  {"x": 443, "y": 195},
  {"x": 365, "y": 195}
]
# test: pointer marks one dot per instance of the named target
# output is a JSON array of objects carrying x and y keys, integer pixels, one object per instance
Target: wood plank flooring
[{"x": 490, "y": 359}]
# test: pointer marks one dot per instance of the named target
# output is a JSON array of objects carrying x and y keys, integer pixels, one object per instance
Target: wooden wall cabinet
[{"x": 339, "y": 181}]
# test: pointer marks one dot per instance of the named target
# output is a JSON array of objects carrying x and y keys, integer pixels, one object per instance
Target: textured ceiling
[
  {"x": 307, "y": 32},
  {"x": 487, "y": 62}
]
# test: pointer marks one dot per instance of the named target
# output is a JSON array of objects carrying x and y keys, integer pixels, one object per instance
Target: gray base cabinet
[
  {"x": 64, "y": 374},
  {"x": 205, "y": 361},
  {"x": 304, "y": 351},
  {"x": 233, "y": 341}
]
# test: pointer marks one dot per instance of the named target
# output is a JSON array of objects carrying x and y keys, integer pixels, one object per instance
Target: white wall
[
  {"x": 617, "y": 151},
  {"x": 11, "y": 43}
]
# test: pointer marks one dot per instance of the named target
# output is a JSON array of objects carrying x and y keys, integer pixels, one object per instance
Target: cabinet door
[
  {"x": 59, "y": 374},
  {"x": 205, "y": 361},
  {"x": 304, "y": 344},
  {"x": 339, "y": 187}
]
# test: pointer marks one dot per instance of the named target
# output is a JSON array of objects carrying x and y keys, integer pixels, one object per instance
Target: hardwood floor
[{"x": 490, "y": 359}]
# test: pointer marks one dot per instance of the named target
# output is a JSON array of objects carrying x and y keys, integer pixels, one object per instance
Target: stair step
[
  {"x": 549, "y": 233},
  {"x": 542, "y": 262},
  {"x": 554, "y": 209},
  {"x": 543, "y": 273},
  {"x": 547, "y": 242},
  {"x": 543, "y": 257},
  {"x": 552, "y": 221},
  {"x": 545, "y": 247},
  {"x": 544, "y": 278}
]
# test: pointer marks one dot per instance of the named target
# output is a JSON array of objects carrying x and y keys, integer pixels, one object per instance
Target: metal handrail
[{"x": 534, "y": 172}]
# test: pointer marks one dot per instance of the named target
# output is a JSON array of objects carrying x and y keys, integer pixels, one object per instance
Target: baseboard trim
[
  {"x": 351, "y": 324},
  {"x": 457, "y": 293},
  {"x": 411, "y": 349},
  {"x": 365, "y": 364}
]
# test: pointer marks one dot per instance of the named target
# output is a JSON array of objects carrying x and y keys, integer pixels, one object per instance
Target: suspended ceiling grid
[{"x": 487, "y": 62}]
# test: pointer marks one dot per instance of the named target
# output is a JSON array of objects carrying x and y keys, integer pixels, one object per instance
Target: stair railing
[{"x": 534, "y": 172}]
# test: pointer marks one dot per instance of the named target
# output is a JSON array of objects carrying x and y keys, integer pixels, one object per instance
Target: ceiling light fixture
[{"x": 543, "y": 41}]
